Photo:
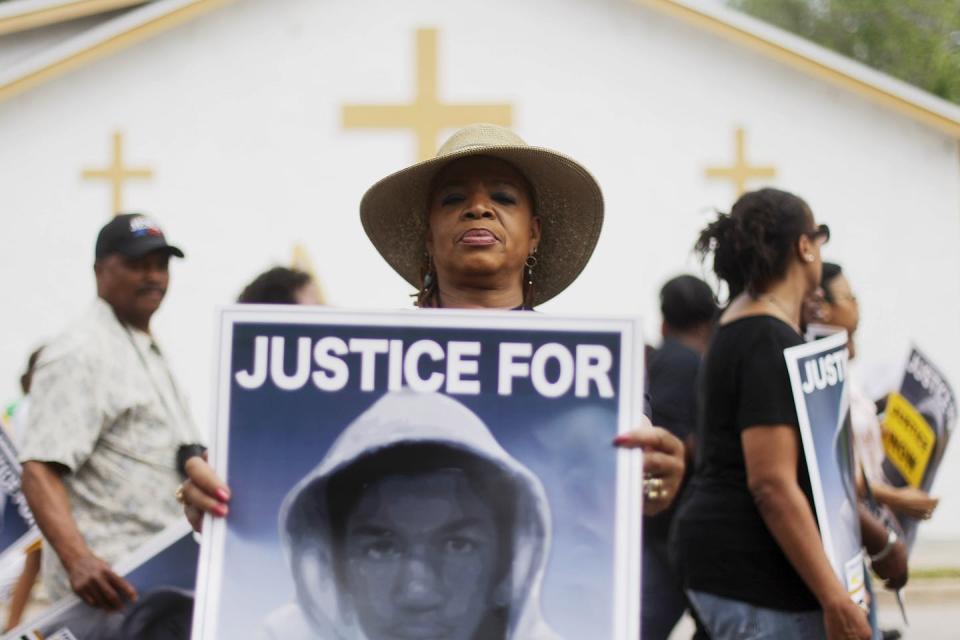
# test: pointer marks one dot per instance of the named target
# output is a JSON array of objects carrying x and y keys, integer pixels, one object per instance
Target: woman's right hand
[
  {"x": 203, "y": 492},
  {"x": 893, "y": 569},
  {"x": 913, "y": 502},
  {"x": 845, "y": 620}
]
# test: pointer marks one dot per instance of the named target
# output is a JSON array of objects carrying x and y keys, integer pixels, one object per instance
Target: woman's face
[
  {"x": 844, "y": 310},
  {"x": 808, "y": 248},
  {"x": 481, "y": 223}
]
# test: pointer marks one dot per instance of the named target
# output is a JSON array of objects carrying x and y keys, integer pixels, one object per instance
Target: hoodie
[{"x": 396, "y": 419}]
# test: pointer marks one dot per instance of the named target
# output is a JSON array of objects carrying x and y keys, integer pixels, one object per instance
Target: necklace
[{"x": 786, "y": 312}]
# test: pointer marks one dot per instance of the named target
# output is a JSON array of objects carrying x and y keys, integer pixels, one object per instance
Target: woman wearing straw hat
[{"x": 489, "y": 223}]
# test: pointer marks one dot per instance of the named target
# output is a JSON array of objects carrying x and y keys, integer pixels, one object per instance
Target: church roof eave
[
  {"x": 101, "y": 41},
  {"x": 815, "y": 60},
  {"x": 23, "y": 15}
]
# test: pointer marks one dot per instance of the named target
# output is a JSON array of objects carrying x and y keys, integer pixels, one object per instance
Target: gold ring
[
  {"x": 178, "y": 495},
  {"x": 653, "y": 489}
]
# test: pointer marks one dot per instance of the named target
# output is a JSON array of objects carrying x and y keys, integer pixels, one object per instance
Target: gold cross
[
  {"x": 426, "y": 115},
  {"x": 741, "y": 172},
  {"x": 117, "y": 173}
]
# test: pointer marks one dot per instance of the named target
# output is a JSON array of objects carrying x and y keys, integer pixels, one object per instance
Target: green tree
[{"x": 917, "y": 41}]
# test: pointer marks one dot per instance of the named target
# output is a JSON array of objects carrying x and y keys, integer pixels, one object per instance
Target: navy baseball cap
[{"x": 132, "y": 235}]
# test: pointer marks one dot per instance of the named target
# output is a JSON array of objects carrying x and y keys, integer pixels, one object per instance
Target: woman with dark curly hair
[{"x": 745, "y": 537}]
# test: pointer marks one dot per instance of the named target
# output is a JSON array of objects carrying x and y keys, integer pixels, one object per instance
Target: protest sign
[
  {"x": 17, "y": 527},
  {"x": 17, "y": 519},
  {"x": 425, "y": 474},
  {"x": 818, "y": 378},
  {"x": 163, "y": 571},
  {"x": 917, "y": 425},
  {"x": 815, "y": 331}
]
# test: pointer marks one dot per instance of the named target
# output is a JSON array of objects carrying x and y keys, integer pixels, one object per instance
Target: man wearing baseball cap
[{"x": 107, "y": 420}]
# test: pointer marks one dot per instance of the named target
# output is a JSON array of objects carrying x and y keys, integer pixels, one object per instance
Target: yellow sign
[
  {"x": 741, "y": 171},
  {"x": 907, "y": 439},
  {"x": 427, "y": 115}
]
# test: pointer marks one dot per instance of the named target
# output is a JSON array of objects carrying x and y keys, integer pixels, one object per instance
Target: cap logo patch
[{"x": 141, "y": 226}]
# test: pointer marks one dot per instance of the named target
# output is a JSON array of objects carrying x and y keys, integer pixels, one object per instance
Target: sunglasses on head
[{"x": 821, "y": 233}]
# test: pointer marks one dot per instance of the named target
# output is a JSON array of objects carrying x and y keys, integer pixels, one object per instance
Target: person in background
[
  {"x": 26, "y": 577},
  {"x": 836, "y": 305},
  {"x": 839, "y": 307},
  {"x": 689, "y": 312},
  {"x": 23, "y": 587},
  {"x": 745, "y": 537},
  {"x": 107, "y": 423},
  {"x": 15, "y": 415},
  {"x": 281, "y": 285}
]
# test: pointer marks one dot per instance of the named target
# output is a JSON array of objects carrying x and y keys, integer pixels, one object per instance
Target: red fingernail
[
  {"x": 221, "y": 510},
  {"x": 223, "y": 495},
  {"x": 621, "y": 439}
]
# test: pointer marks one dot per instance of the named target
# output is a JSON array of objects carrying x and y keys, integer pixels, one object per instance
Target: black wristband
[{"x": 185, "y": 452}]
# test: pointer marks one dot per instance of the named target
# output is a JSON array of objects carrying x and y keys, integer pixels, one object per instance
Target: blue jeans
[{"x": 727, "y": 619}]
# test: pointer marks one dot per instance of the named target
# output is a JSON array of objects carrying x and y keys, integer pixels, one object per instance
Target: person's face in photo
[{"x": 421, "y": 554}]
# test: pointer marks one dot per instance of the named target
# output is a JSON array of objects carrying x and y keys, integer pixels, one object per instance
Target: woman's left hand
[
  {"x": 663, "y": 464},
  {"x": 893, "y": 569}
]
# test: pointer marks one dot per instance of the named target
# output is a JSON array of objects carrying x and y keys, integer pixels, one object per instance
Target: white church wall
[{"x": 239, "y": 112}]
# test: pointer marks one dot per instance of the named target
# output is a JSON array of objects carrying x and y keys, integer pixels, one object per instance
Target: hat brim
[
  {"x": 568, "y": 201},
  {"x": 150, "y": 244}
]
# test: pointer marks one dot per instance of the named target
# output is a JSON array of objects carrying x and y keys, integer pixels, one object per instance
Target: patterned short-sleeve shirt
[{"x": 105, "y": 406}]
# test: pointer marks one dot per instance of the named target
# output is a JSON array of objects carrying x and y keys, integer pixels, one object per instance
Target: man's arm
[
  {"x": 22, "y": 589},
  {"x": 90, "y": 577},
  {"x": 892, "y": 564}
]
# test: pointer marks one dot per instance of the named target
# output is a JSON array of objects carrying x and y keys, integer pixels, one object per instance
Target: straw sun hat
[{"x": 566, "y": 197}]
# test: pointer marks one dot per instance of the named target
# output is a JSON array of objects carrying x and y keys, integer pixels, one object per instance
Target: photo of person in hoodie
[{"x": 417, "y": 524}]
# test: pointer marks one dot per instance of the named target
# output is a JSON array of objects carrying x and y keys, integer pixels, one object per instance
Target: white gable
[{"x": 239, "y": 115}]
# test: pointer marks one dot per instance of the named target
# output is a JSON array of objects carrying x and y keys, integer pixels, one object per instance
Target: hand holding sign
[
  {"x": 916, "y": 431},
  {"x": 663, "y": 461},
  {"x": 98, "y": 585},
  {"x": 845, "y": 620},
  {"x": 914, "y": 502},
  {"x": 203, "y": 492}
]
